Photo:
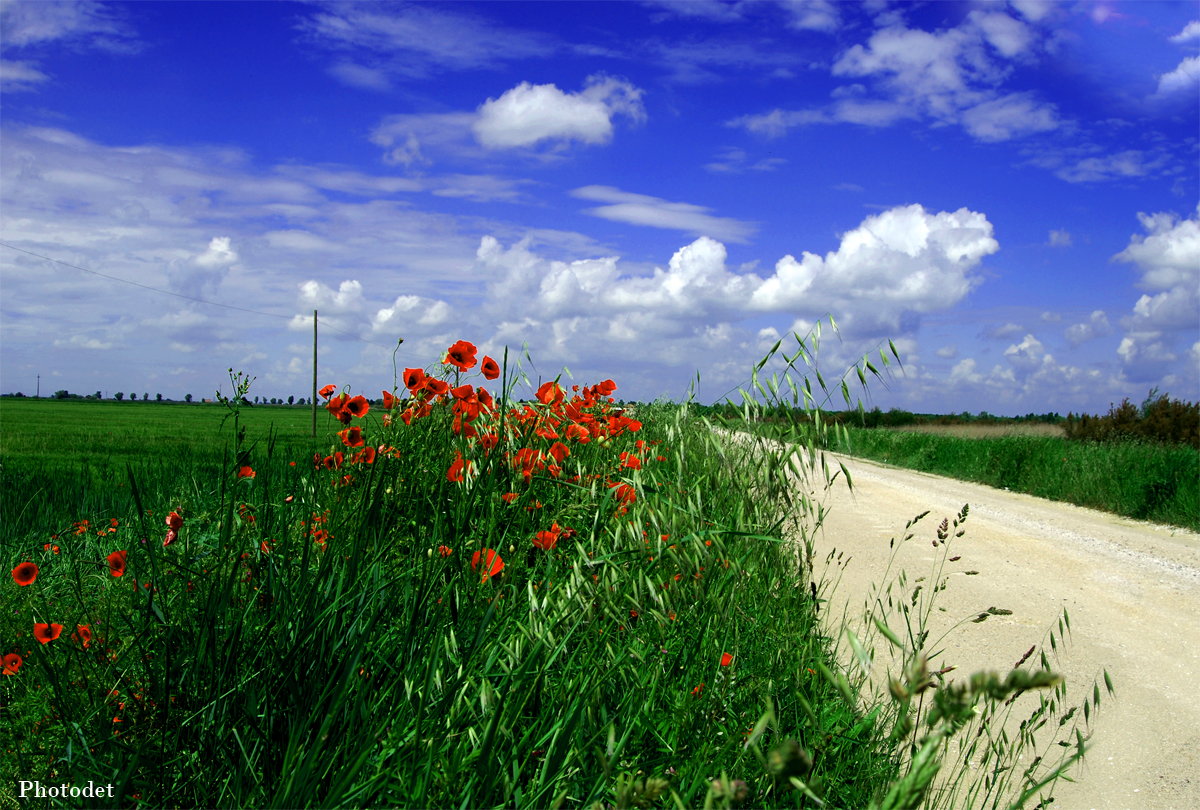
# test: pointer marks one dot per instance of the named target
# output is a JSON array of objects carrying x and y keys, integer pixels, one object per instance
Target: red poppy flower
[
  {"x": 699, "y": 690},
  {"x": 327, "y": 391},
  {"x": 550, "y": 393},
  {"x": 82, "y": 635},
  {"x": 436, "y": 387},
  {"x": 413, "y": 377},
  {"x": 12, "y": 663},
  {"x": 116, "y": 563},
  {"x": 46, "y": 633},
  {"x": 445, "y": 551},
  {"x": 351, "y": 437},
  {"x": 245, "y": 472},
  {"x": 493, "y": 565},
  {"x": 485, "y": 399},
  {"x": 489, "y": 368},
  {"x": 631, "y": 461},
  {"x": 463, "y": 392},
  {"x": 25, "y": 573},
  {"x": 358, "y": 407},
  {"x": 461, "y": 355},
  {"x": 509, "y": 497},
  {"x": 547, "y": 540},
  {"x": 389, "y": 401},
  {"x": 327, "y": 462},
  {"x": 171, "y": 537},
  {"x": 365, "y": 456},
  {"x": 625, "y": 494},
  {"x": 578, "y": 432},
  {"x": 175, "y": 521},
  {"x": 488, "y": 440},
  {"x": 54, "y": 548},
  {"x": 338, "y": 458},
  {"x": 726, "y": 659},
  {"x": 457, "y": 470}
]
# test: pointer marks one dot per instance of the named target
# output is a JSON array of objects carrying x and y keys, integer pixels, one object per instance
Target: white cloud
[
  {"x": 947, "y": 352},
  {"x": 83, "y": 342},
  {"x": 529, "y": 114},
  {"x": 1185, "y": 78},
  {"x": 414, "y": 41},
  {"x": 220, "y": 252},
  {"x": 1026, "y": 355},
  {"x": 1128, "y": 163},
  {"x": 16, "y": 77},
  {"x": 1051, "y": 317},
  {"x": 360, "y": 76},
  {"x": 950, "y": 76},
  {"x": 1060, "y": 238},
  {"x": 964, "y": 371},
  {"x": 890, "y": 269},
  {"x": 1096, "y": 327},
  {"x": 315, "y": 295},
  {"x": 1168, "y": 258},
  {"x": 642, "y": 209},
  {"x": 1003, "y": 331},
  {"x": 1190, "y": 32},
  {"x": 1009, "y": 117},
  {"x": 409, "y": 309},
  {"x": 1169, "y": 255},
  {"x": 299, "y": 240},
  {"x": 812, "y": 15},
  {"x": 404, "y": 135},
  {"x": 732, "y": 160},
  {"x": 32, "y": 23}
]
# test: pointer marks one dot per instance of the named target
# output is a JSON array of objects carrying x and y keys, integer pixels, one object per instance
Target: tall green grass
[
  {"x": 336, "y": 637},
  {"x": 1146, "y": 481}
]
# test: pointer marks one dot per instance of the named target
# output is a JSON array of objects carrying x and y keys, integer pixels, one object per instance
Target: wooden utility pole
[{"x": 314, "y": 395}]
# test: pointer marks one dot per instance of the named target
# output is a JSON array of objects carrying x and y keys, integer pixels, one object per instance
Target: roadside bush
[{"x": 1159, "y": 419}]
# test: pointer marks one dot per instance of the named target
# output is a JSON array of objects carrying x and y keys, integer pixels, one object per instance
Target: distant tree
[
  {"x": 291, "y": 399},
  {"x": 60, "y": 395},
  {"x": 97, "y": 395},
  {"x": 187, "y": 398},
  {"x": 158, "y": 397},
  {"x": 145, "y": 397},
  {"x": 120, "y": 396}
]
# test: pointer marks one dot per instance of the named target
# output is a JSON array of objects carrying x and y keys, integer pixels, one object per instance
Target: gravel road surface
[{"x": 1132, "y": 590}]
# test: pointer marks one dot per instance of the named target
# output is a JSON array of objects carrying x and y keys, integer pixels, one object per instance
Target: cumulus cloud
[
  {"x": 1184, "y": 79},
  {"x": 1190, "y": 32},
  {"x": 654, "y": 212},
  {"x": 220, "y": 252},
  {"x": 529, "y": 114},
  {"x": 410, "y": 309},
  {"x": 886, "y": 272},
  {"x": 1168, "y": 259},
  {"x": 1097, "y": 326},
  {"x": 947, "y": 352},
  {"x": 348, "y": 297}
]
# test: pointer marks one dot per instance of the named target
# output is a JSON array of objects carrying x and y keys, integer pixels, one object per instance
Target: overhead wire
[{"x": 325, "y": 324}]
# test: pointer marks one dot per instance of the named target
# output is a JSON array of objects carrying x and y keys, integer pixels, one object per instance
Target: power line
[{"x": 188, "y": 297}]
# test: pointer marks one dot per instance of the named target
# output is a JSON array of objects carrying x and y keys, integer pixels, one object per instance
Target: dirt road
[{"x": 1132, "y": 590}]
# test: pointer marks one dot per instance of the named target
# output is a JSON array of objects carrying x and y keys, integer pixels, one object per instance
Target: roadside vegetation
[{"x": 455, "y": 598}]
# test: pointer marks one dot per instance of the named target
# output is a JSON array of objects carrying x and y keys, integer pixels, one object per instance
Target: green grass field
[
  {"x": 467, "y": 603},
  {"x": 1141, "y": 480}
]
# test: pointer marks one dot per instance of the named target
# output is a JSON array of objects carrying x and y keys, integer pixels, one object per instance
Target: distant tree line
[{"x": 145, "y": 397}]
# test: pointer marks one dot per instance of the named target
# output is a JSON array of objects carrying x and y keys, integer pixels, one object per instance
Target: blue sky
[{"x": 643, "y": 191}]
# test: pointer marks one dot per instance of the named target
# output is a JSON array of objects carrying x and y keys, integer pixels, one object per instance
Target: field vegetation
[{"x": 459, "y": 599}]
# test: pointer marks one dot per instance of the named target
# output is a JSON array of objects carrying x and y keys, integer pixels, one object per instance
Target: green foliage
[{"x": 1135, "y": 479}]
